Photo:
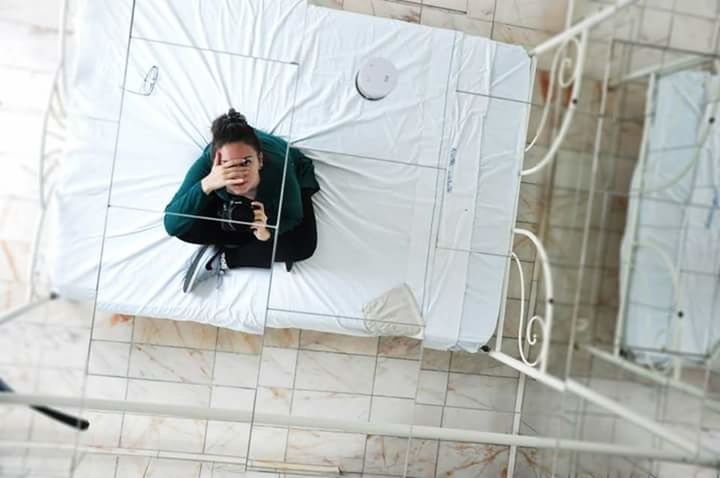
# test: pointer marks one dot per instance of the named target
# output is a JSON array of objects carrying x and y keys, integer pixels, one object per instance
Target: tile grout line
[
  {"x": 211, "y": 387},
  {"x": 442, "y": 415},
  {"x": 370, "y": 409},
  {"x": 127, "y": 388},
  {"x": 492, "y": 22},
  {"x": 292, "y": 391}
]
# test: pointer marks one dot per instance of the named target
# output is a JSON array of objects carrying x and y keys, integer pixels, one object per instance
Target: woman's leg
[
  {"x": 295, "y": 245},
  {"x": 209, "y": 231}
]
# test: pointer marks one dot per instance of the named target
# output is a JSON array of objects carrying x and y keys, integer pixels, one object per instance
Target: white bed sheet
[
  {"x": 680, "y": 221},
  {"x": 419, "y": 188}
]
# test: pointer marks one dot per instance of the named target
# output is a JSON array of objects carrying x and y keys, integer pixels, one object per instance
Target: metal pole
[
  {"x": 21, "y": 310},
  {"x": 662, "y": 69},
  {"x": 567, "y": 119},
  {"x": 651, "y": 375},
  {"x": 632, "y": 223},
  {"x": 634, "y": 417},
  {"x": 549, "y": 298},
  {"x": 581, "y": 26},
  {"x": 387, "y": 429}
]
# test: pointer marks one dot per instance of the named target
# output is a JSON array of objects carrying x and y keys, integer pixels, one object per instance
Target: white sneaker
[{"x": 208, "y": 261}]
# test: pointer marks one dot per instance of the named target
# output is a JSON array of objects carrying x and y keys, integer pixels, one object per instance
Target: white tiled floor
[{"x": 312, "y": 374}]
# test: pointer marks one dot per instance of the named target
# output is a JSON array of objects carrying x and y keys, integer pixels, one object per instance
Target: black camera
[{"x": 238, "y": 208}]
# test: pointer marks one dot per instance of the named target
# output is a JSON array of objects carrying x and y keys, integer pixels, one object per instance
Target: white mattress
[
  {"x": 419, "y": 188},
  {"x": 681, "y": 221}
]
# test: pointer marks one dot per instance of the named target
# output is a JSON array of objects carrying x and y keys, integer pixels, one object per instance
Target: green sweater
[{"x": 300, "y": 174}]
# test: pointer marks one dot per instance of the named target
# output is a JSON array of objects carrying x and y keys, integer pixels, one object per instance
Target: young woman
[{"x": 230, "y": 198}]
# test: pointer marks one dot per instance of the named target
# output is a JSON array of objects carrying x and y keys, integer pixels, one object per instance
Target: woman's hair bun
[
  {"x": 232, "y": 127},
  {"x": 234, "y": 116}
]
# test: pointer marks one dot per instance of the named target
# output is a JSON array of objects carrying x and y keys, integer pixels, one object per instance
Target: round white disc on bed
[{"x": 376, "y": 78}]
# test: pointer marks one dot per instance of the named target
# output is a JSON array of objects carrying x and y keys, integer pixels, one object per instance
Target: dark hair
[{"x": 232, "y": 127}]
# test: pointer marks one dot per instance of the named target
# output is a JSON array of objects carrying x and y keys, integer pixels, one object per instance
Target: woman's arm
[{"x": 190, "y": 198}]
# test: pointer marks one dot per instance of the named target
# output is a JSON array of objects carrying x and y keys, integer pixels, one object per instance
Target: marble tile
[
  {"x": 515, "y": 286},
  {"x": 547, "y": 424},
  {"x": 239, "y": 370},
  {"x": 630, "y": 138},
  {"x": 636, "y": 396},
  {"x": 655, "y": 27},
  {"x": 401, "y": 347},
  {"x": 604, "y": 325},
  {"x": 171, "y": 434},
  {"x": 453, "y": 21},
  {"x": 334, "y": 372},
  {"x": 14, "y": 259},
  {"x": 609, "y": 288},
  {"x": 142, "y": 467},
  {"x": 92, "y": 466},
  {"x": 689, "y": 471},
  {"x": 68, "y": 383},
  {"x": 404, "y": 411},
  {"x": 104, "y": 430},
  {"x": 428, "y": 415},
  {"x": 693, "y": 33},
  {"x": 481, "y": 9},
  {"x": 465, "y": 460},
  {"x": 47, "y": 345},
  {"x": 331, "y": 405},
  {"x": 70, "y": 313},
  {"x": 432, "y": 387},
  {"x": 12, "y": 294},
  {"x": 511, "y": 323},
  {"x": 175, "y": 332},
  {"x": 460, "y": 5},
  {"x": 481, "y": 391},
  {"x": 226, "y": 438},
  {"x": 518, "y": 35},
  {"x": 115, "y": 327},
  {"x": 109, "y": 358},
  {"x": 531, "y": 203},
  {"x": 113, "y": 388},
  {"x": 275, "y": 400},
  {"x": 232, "y": 397},
  {"x": 435, "y": 359},
  {"x": 482, "y": 363},
  {"x": 45, "y": 463},
  {"x": 17, "y": 422},
  {"x": 168, "y": 392},
  {"x": 392, "y": 410},
  {"x": 325, "y": 342},
  {"x": 388, "y": 455},
  {"x": 522, "y": 246},
  {"x": 173, "y": 364},
  {"x": 537, "y": 14},
  {"x": 227, "y": 470},
  {"x": 396, "y": 377},
  {"x": 268, "y": 443},
  {"x": 285, "y": 338},
  {"x": 537, "y": 463},
  {"x": 485, "y": 420},
  {"x": 345, "y": 450},
  {"x": 557, "y": 361},
  {"x": 277, "y": 367},
  {"x": 238, "y": 342},
  {"x": 703, "y": 8},
  {"x": 382, "y": 8}
]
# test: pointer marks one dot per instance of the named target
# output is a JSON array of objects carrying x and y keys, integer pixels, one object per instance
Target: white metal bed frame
[{"x": 575, "y": 36}]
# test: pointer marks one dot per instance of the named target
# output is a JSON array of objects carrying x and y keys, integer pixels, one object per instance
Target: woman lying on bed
[{"x": 238, "y": 178}]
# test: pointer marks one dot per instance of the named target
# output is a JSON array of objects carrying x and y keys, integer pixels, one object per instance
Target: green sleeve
[
  {"x": 305, "y": 171},
  {"x": 190, "y": 198}
]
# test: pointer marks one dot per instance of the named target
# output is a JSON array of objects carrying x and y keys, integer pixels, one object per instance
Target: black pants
[{"x": 242, "y": 249}]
